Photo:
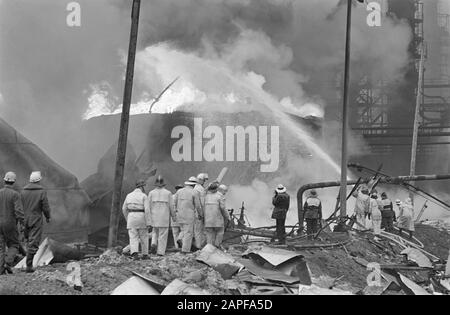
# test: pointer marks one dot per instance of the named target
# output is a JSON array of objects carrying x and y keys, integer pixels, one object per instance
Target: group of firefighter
[
  {"x": 195, "y": 213},
  {"x": 380, "y": 212},
  {"x": 21, "y": 215},
  {"x": 372, "y": 211}
]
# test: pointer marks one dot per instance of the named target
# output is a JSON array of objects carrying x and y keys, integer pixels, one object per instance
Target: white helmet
[
  {"x": 10, "y": 177},
  {"x": 202, "y": 177},
  {"x": 35, "y": 177},
  {"x": 192, "y": 181}
]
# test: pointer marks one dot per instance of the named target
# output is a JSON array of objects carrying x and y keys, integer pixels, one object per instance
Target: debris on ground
[
  {"x": 135, "y": 286},
  {"x": 223, "y": 263},
  {"x": 255, "y": 268}
]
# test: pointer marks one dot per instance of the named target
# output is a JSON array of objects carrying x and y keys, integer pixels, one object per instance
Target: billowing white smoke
[{"x": 209, "y": 79}]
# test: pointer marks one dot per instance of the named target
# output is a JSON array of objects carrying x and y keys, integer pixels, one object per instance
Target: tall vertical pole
[
  {"x": 124, "y": 123},
  {"x": 343, "y": 190},
  {"x": 417, "y": 115}
]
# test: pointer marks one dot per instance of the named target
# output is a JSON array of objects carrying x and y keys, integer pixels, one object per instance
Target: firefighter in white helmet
[
  {"x": 362, "y": 207},
  {"x": 11, "y": 213},
  {"x": 161, "y": 210},
  {"x": 313, "y": 214},
  {"x": 136, "y": 212},
  {"x": 199, "y": 227},
  {"x": 375, "y": 213},
  {"x": 405, "y": 219},
  {"x": 36, "y": 206},
  {"x": 175, "y": 226},
  {"x": 215, "y": 215},
  {"x": 188, "y": 206}
]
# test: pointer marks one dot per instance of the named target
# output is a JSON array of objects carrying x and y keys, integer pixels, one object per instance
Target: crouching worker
[
  {"x": 136, "y": 212},
  {"x": 161, "y": 210},
  {"x": 215, "y": 215},
  {"x": 313, "y": 214},
  {"x": 11, "y": 213},
  {"x": 35, "y": 205},
  {"x": 188, "y": 205}
]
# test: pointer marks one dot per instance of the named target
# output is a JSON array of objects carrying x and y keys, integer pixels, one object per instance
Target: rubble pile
[{"x": 257, "y": 268}]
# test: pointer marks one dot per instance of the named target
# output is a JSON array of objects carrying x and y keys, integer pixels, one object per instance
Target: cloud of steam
[{"x": 209, "y": 79}]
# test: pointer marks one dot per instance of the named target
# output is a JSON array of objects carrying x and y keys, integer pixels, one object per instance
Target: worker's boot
[
  {"x": 29, "y": 269},
  {"x": 153, "y": 248},
  {"x": 29, "y": 261},
  {"x": 194, "y": 248},
  {"x": 135, "y": 256},
  {"x": 145, "y": 257}
]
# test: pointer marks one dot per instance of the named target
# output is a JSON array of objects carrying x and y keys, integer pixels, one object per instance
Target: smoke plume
[{"x": 52, "y": 76}]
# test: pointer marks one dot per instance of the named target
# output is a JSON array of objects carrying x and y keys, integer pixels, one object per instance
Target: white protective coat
[
  {"x": 136, "y": 200},
  {"x": 161, "y": 207},
  {"x": 375, "y": 216},
  {"x": 406, "y": 217},
  {"x": 199, "y": 226}
]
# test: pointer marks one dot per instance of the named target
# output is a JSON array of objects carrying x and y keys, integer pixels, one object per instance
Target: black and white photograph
[{"x": 224, "y": 153}]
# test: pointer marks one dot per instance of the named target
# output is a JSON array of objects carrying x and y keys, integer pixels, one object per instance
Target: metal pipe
[{"x": 399, "y": 180}]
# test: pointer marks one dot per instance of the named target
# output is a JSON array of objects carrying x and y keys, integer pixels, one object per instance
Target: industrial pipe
[{"x": 383, "y": 180}]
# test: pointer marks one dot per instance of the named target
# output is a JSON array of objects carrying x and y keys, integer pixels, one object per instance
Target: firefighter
[
  {"x": 161, "y": 210},
  {"x": 187, "y": 203},
  {"x": 11, "y": 213},
  {"x": 223, "y": 189},
  {"x": 361, "y": 207},
  {"x": 216, "y": 215},
  {"x": 313, "y": 214},
  {"x": 176, "y": 230},
  {"x": 375, "y": 213},
  {"x": 406, "y": 217},
  {"x": 35, "y": 205},
  {"x": 281, "y": 202},
  {"x": 137, "y": 214},
  {"x": 199, "y": 227},
  {"x": 387, "y": 213}
]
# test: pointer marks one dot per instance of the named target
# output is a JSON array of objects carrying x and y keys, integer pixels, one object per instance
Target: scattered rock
[
  {"x": 108, "y": 272},
  {"x": 112, "y": 257},
  {"x": 195, "y": 276}
]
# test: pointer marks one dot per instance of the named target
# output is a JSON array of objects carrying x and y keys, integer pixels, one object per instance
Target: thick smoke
[{"x": 50, "y": 72}]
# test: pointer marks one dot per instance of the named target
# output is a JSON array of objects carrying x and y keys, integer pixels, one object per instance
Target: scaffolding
[{"x": 384, "y": 116}]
